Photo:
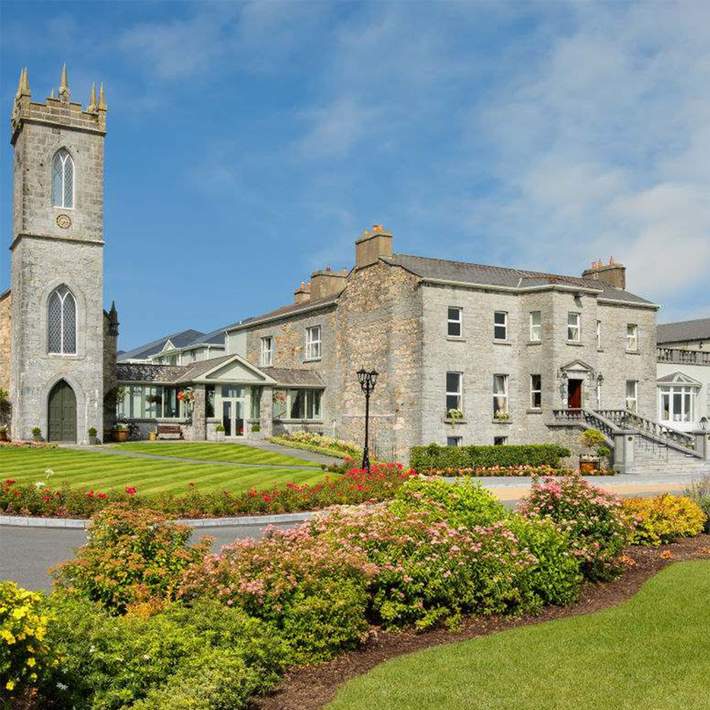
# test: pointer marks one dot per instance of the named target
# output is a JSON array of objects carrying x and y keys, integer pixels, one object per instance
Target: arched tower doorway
[{"x": 61, "y": 421}]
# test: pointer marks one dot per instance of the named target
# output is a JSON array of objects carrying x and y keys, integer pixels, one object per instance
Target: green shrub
[
  {"x": 592, "y": 438},
  {"x": 130, "y": 557},
  {"x": 663, "y": 519},
  {"x": 213, "y": 680},
  {"x": 435, "y": 457},
  {"x": 24, "y": 653},
  {"x": 465, "y": 503},
  {"x": 699, "y": 491},
  {"x": 593, "y": 520},
  {"x": 110, "y": 662},
  {"x": 555, "y": 578},
  {"x": 312, "y": 589}
]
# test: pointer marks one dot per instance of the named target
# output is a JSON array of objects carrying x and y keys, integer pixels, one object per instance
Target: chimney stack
[
  {"x": 303, "y": 293},
  {"x": 372, "y": 245},
  {"x": 327, "y": 282},
  {"x": 612, "y": 273}
]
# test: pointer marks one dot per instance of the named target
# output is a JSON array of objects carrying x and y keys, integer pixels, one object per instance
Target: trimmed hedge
[{"x": 433, "y": 456}]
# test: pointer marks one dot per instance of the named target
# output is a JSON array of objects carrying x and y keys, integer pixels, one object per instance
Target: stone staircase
[
  {"x": 653, "y": 457},
  {"x": 657, "y": 449}
]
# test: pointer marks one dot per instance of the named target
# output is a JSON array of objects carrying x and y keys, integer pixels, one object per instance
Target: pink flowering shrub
[
  {"x": 517, "y": 471},
  {"x": 592, "y": 519},
  {"x": 131, "y": 557},
  {"x": 310, "y": 587},
  {"x": 354, "y": 487},
  {"x": 428, "y": 572}
]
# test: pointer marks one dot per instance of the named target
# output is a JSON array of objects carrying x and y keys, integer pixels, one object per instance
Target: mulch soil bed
[{"x": 315, "y": 686}]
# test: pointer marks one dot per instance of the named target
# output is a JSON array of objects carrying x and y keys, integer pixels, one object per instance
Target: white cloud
[{"x": 603, "y": 148}]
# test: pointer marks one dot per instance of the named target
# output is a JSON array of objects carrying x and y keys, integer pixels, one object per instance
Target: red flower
[{"x": 131, "y": 490}]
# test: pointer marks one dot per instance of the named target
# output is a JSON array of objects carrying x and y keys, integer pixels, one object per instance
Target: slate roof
[
  {"x": 683, "y": 331},
  {"x": 284, "y": 311},
  {"x": 179, "y": 340},
  {"x": 216, "y": 337},
  {"x": 142, "y": 372},
  {"x": 292, "y": 377},
  {"x": 465, "y": 272},
  {"x": 174, "y": 374}
]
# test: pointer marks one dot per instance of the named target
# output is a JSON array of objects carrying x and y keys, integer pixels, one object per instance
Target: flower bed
[
  {"x": 320, "y": 444},
  {"x": 30, "y": 444},
  {"x": 511, "y": 471},
  {"x": 143, "y": 620},
  {"x": 354, "y": 487}
]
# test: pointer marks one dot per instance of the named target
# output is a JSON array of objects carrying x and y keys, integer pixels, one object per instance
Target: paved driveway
[{"x": 27, "y": 553}]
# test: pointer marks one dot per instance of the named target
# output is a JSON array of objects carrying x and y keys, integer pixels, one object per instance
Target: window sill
[
  {"x": 502, "y": 421},
  {"x": 502, "y": 342},
  {"x": 575, "y": 343},
  {"x": 456, "y": 338},
  {"x": 534, "y": 342},
  {"x": 447, "y": 420},
  {"x": 534, "y": 410},
  {"x": 299, "y": 421},
  {"x": 312, "y": 359},
  {"x": 632, "y": 352}
]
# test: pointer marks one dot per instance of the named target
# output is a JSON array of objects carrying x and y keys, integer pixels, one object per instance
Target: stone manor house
[{"x": 465, "y": 353}]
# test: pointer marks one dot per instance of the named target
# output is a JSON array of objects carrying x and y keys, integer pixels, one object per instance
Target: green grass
[
  {"x": 104, "y": 472},
  {"x": 234, "y": 453},
  {"x": 651, "y": 652}
]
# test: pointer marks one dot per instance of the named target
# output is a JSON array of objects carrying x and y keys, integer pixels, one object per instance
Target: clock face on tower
[{"x": 64, "y": 221}]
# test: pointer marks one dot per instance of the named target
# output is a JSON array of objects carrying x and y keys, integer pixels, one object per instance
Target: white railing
[{"x": 682, "y": 357}]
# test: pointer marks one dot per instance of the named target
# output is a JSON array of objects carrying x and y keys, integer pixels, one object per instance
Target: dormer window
[{"x": 63, "y": 179}]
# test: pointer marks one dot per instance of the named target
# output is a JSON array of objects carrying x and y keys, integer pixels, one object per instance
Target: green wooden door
[{"x": 62, "y": 413}]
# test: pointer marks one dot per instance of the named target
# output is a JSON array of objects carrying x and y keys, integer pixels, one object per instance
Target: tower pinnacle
[{"x": 64, "y": 92}]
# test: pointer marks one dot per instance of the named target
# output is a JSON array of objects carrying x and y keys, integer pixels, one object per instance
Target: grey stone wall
[{"x": 5, "y": 340}]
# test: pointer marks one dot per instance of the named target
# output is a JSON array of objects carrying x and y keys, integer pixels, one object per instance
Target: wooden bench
[{"x": 169, "y": 431}]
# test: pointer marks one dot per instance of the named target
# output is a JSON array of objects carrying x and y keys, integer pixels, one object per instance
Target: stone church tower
[{"x": 57, "y": 321}]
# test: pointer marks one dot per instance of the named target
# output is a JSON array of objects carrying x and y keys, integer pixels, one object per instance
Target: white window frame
[
  {"x": 312, "y": 400},
  {"x": 503, "y": 325},
  {"x": 574, "y": 327},
  {"x": 501, "y": 395},
  {"x": 632, "y": 337},
  {"x": 534, "y": 391},
  {"x": 458, "y": 393},
  {"x": 535, "y": 328},
  {"x": 64, "y": 156},
  {"x": 599, "y": 335},
  {"x": 453, "y": 321},
  {"x": 62, "y": 300},
  {"x": 266, "y": 351},
  {"x": 685, "y": 415},
  {"x": 313, "y": 343},
  {"x": 632, "y": 402}
]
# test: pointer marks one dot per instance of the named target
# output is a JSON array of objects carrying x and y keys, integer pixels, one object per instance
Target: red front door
[{"x": 574, "y": 394}]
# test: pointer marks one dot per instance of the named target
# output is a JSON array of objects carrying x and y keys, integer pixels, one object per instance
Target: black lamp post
[{"x": 367, "y": 381}]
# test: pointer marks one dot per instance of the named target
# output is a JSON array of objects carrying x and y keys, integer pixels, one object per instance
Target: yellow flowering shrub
[
  {"x": 23, "y": 652},
  {"x": 662, "y": 519}
]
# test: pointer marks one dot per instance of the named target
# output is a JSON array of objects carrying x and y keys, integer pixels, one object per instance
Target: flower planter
[
  {"x": 120, "y": 435},
  {"x": 93, "y": 441},
  {"x": 152, "y": 436},
  {"x": 3, "y": 435},
  {"x": 588, "y": 464}
]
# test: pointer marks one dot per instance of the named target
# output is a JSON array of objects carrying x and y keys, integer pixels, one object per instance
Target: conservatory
[{"x": 226, "y": 397}]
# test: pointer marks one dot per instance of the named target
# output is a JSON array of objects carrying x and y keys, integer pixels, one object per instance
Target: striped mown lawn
[
  {"x": 236, "y": 453},
  {"x": 104, "y": 472}
]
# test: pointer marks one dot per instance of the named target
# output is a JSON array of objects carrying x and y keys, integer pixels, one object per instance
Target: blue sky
[{"x": 250, "y": 143}]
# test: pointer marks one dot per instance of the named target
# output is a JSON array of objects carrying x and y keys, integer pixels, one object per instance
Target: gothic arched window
[
  {"x": 61, "y": 322},
  {"x": 63, "y": 179}
]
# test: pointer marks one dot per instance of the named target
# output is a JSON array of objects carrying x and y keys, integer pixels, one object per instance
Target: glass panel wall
[
  {"x": 148, "y": 402},
  {"x": 297, "y": 404}
]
